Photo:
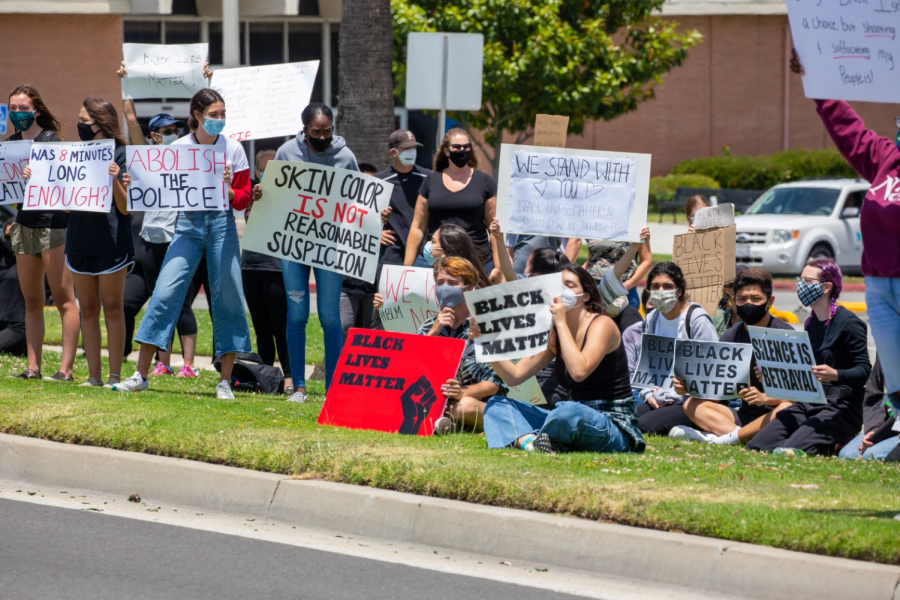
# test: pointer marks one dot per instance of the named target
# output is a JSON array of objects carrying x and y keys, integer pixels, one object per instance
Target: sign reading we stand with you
[
  {"x": 176, "y": 177},
  {"x": 70, "y": 176}
]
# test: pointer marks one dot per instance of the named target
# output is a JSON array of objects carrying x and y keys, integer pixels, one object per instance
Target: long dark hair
[
  {"x": 674, "y": 272},
  {"x": 200, "y": 102},
  {"x": 105, "y": 117},
  {"x": 441, "y": 161},
  {"x": 594, "y": 304},
  {"x": 456, "y": 242},
  {"x": 46, "y": 120},
  {"x": 547, "y": 260}
]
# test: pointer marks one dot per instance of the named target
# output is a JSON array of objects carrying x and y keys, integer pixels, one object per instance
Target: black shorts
[
  {"x": 99, "y": 265},
  {"x": 747, "y": 413}
]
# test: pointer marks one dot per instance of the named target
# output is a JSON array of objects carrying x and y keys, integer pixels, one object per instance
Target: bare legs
[{"x": 711, "y": 416}]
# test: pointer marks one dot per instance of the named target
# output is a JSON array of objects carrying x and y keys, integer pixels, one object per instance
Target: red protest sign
[{"x": 391, "y": 382}]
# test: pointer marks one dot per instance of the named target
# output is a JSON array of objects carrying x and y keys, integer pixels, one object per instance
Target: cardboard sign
[
  {"x": 70, "y": 176},
  {"x": 573, "y": 193},
  {"x": 286, "y": 87},
  {"x": 320, "y": 216},
  {"x": 390, "y": 382},
  {"x": 707, "y": 260},
  {"x": 514, "y": 318},
  {"x": 713, "y": 370},
  {"x": 714, "y": 217},
  {"x": 786, "y": 359},
  {"x": 164, "y": 70},
  {"x": 656, "y": 364},
  {"x": 176, "y": 177},
  {"x": 848, "y": 49},
  {"x": 409, "y": 298},
  {"x": 550, "y": 131},
  {"x": 13, "y": 159}
]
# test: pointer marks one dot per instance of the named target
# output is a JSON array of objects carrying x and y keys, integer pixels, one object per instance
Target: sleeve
[
  {"x": 862, "y": 148},
  {"x": 426, "y": 326},
  {"x": 611, "y": 288},
  {"x": 490, "y": 187},
  {"x": 702, "y": 328},
  {"x": 240, "y": 183},
  {"x": 425, "y": 188},
  {"x": 856, "y": 347}
]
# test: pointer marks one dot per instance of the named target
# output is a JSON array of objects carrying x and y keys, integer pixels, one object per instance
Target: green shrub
[{"x": 662, "y": 189}]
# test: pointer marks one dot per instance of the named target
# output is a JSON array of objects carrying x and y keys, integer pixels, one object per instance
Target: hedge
[{"x": 662, "y": 189}]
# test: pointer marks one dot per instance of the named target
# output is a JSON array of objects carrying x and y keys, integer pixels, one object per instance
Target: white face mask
[
  {"x": 408, "y": 157},
  {"x": 569, "y": 298},
  {"x": 168, "y": 139}
]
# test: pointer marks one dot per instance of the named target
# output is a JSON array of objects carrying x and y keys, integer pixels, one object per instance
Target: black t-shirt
[
  {"x": 464, "y": 208},
  {"x": 255, "y": 261},
  {"x": 54, "y": 219},
  {"x": 403, "y": 207},
  {"x": 738, "y": 334},
  {"x": 628, "y": 317},
  {"x": 99, "y": 234},
  {"x": 12, "y": 302}
]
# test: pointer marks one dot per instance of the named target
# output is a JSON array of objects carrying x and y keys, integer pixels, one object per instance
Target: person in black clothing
[
  {"x": 12, "y": 306},
  {"x": 136, "y": 291}
]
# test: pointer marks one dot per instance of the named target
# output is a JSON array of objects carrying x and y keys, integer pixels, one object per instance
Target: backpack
[
  {"x": 687, "y": 319},
  {"x": 251, "y": 374}
]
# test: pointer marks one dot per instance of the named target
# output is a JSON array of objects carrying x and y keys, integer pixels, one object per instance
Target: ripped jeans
[{"x": 328, "y": 301}]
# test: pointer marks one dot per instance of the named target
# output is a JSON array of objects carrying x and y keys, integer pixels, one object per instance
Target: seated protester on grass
[
  {"x": 838, "y": 340},
  {"x": 878, "y": 438},
  {"x": 475, "y": 382},
  {"x": 725, "y": 425},
  {"x": 726, "y": 313},
  {"x": 12, "y": 302},
  {"x": 604, "y": 254},
  {"x": 673, "y": 316},
  {"x": 591, "y": 361},
  {"x": 614, "y": 293}
]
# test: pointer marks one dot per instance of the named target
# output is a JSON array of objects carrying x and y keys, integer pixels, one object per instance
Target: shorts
[
  {"x": 99, "y": 265},
  {"x": 34, "y": 240},
  {"x": 747, "y": 413}
]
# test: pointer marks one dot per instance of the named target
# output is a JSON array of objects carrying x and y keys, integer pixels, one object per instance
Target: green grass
[{"x": 722, "y": 492}]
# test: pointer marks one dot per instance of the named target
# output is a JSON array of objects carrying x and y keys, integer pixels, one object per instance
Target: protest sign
[
  {"x": 572, "y": 193},
  {"x": 287, "y": 88},
  {"x": 656, "y": 364},
  {"x": 70, "y": 176},
  {"x": 320, "y": 216},
  {"x": 409, "y": 298},
  {"x": 163, "y": 70},
  {"x": 707, "y": 260},
  {"x": 528, "y": 391},
  {"x": 176, "y": 177},
  {"x": 847, "y": 48},
  {"x": 514, "y": 317},
  {"x": 714, "y": 217},
  {"x": 786, "y": 359},
  {"x": 390, "y": 382},
  {"x": 713, "y": 370},
  {"x": 13, "y": 159},
  {"x": 550, "y": 131}
]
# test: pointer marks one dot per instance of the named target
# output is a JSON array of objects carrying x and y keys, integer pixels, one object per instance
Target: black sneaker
[
  {"x": 27, "y": 374},
  {"x": 543, "y": 443},
  {"x": 59, "y": 376}
]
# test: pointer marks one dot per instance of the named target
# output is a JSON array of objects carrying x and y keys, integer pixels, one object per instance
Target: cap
[
  {"x": 164, "y": 120},
  {"x": 403, "y": 138}
]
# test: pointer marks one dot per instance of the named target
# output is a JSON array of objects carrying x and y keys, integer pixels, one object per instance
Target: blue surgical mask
[
  {"x": 408, "y": 157},
  {"x": 261, "y": 173},
  {"x": 449, "y": 296},
  {"x": 213, "y": 126},
  {"x": 426, "y": 253}
]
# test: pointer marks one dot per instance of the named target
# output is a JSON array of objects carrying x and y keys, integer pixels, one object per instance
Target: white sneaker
[
  {"x": 223, "y": 390},
  {"x": 135, "y": 383},
  {"x": 680, "y": 432},
  {"x": 443, "y": 426},
  {"x": 91, "y": 382},
  {"x": 298, "y": 397}
]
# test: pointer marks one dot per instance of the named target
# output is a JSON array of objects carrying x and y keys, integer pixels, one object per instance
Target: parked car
[{"x": 793, "y": 222}]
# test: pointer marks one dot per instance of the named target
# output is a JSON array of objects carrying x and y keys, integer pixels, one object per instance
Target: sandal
[{"x": 27, "y": 374}]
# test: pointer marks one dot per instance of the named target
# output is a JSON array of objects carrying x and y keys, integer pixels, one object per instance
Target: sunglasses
[{"x": 460, "y": 147}]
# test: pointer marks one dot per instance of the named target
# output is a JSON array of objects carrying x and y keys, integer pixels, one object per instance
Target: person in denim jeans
[{"x": 197, "y": 233}]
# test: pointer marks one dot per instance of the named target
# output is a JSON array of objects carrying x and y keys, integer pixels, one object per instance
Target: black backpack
[{"x": 251, "y": 374}]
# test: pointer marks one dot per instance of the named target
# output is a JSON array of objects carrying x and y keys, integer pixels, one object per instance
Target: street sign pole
[{"x": 442, "y": 119}]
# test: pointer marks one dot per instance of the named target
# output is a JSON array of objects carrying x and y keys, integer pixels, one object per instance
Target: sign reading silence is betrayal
[
  {"x": 390, "y": 382},
  {"x": 320, "y": 216},
  {"x": 713, "y": 370},
  {"x": 176, "y": 177},
  {"x": 70, "y": 176},
  {"x": 573, "y": 193},
  {"x": 13, "y": 160},
  {"x": 163, "y": 70},
  {"x": 786, "y": 360}
]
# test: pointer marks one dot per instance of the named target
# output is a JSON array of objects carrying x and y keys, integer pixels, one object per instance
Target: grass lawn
[{"x": 826, "y": 506}]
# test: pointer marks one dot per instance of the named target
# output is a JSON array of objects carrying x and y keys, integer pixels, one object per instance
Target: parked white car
[{"x": 794, "y": 222}]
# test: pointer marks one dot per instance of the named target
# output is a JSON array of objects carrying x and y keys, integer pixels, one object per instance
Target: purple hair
[{"x": 831, "y": 273}]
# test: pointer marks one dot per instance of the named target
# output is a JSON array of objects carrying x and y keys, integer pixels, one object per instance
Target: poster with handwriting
[
  {"x": 713, "y": 217},
  {"x": 70, "y": 176},
  {"x": 707, "y": 259},
  {"x": 550, "y": 131},
  {"x": 409, "y": 298},
  {"x": 177, "y": 177},
  {"x": 13, "y": 159},
  {"x": 164, "y": 70}
]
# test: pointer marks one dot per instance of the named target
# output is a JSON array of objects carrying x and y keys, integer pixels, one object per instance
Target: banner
[
  {"x": 409, "y": 298},
  {"x": 514, "y": 318},
  {"x": 713, "y": 370},
  {"x": 573, "y": 193},
  {"x": 847, "y": 48},
  {"x": 176, "y": 177},
  {"x": 320, "y": 216},
  {"x": 707, "y": 260},
  {"x": 786, "y": 359},
  {"x": 656, "y": 363},
  {"x": 390, "y": 381},
  {"x": 286, "y": 88},
  {"x": 13, "y": 159},
  {"x": 70, "y": 176},
  {"x": 713, "y": 217},
  {"x": 164, "y": 70}
]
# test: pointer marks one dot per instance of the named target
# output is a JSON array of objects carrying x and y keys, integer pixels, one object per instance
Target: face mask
[
  {"x": 751, "y": 314},
  {"x": 319, "y": 144},
  {"x": 213, "y": 126},
  {"x": 21, "y": 120},
  {"x": 460, "y": 158},
  {"x": 408, "y": 157},
  {"x": 809, "y": 293},
  {"x": 426, "y": 253},
  {"x": 663, "y": 300},
  {"x": 86, "y": 132},
  {"x": 569, "y": 298},
  {"x": 168, "y": 139},
  {"x": 448, "y": 296}
]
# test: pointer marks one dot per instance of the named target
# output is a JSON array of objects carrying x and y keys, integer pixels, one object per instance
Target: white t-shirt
[
  {"x": 234, "y": 152},
  {"x": 667, "y": 328}
]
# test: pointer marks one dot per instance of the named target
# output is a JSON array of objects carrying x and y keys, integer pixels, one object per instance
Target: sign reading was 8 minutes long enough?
[
  {"x": 70, "y": 176},
  {"x": 320, "y": 216}
]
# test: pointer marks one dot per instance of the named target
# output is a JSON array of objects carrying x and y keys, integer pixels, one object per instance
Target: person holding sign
[
  {"x": 692, "y": 205},
  {"x": 197, "y": 233},
  {"x": 37, "y": 238}
]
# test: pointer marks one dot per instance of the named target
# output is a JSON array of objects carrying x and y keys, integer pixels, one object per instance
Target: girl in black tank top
[{"x": 608, "y": 380}]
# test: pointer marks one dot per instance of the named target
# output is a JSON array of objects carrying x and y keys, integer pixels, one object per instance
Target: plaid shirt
[
  {"x": 470, "y": 371},
  {"x": 622, "y": 412}
]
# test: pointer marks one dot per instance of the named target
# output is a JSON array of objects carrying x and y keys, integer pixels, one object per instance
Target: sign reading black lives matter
[
  {"x": 514, "y": 318},
  {"x": 713, "y": 370},
  {"x": 655, "y": 367},
  {"x": 786, "y": 360},
  {"x": 320, "y": 216}
]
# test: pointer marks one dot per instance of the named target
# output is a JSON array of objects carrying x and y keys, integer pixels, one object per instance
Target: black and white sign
[
  {"x": 786, "y": 359},
  {"x": 713, "y": 370},
  {"x": 655, "y": 367}
]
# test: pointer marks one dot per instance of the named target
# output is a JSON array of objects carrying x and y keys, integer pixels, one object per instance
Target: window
[
  {"x": 182, "y": 32},
  {"x": 854, "y": 200},
  {"x": 796, "y": 201},
  {"x": 266, "y": 43},
  {"x": 305, "y": 43},
  {"x": 143, "y": 32},
  {"x": 215, "y": 43}
]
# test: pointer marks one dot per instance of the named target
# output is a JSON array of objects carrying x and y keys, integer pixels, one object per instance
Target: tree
[
  {"x": 582, "y": 58},
  {"x": 366, "y": 99}
]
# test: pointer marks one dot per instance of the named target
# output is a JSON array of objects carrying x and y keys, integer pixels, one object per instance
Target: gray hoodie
[{"x": 336, "y": 155}]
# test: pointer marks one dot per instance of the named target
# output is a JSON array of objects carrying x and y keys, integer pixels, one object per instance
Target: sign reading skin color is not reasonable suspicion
[
  {"x": 786, "y": 360},
  {"x": 164, "y": 70},
  {"x": 70, "y": 176}
]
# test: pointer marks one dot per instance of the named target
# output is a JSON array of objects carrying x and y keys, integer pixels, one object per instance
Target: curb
[{"x": 638, "y": 554}]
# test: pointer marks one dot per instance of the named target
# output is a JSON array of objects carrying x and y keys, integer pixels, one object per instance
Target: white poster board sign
[
  {"x": 848, "y": 48},
  {"x": 286, "y": 88},
  {"x": 528, "y": 391},
  {"x": 786, "y": 360},
  {"x": 13, "y": 159},
  {"x": 656, "y": 364},
  {"x": 177, "y": 177},
  {"x": 409, "y": 298},
  {"x": 164, "y": 70},
  {"x": 714, "y": 217},
  {"x": 70, "y": 176},
  {"x": 573, "y": 193}
]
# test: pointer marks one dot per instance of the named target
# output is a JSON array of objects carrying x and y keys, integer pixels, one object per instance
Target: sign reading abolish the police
[
  {"x": 176, "y": 178},
  {"x": 320, "y": 216},
  {"x": 657, "y": 360},
  {"x": 786, "y": 359},
  {"x": 514, "y": 318},
  {"x": 70, "y": 176},
  {"x": 713, "y": 370}
]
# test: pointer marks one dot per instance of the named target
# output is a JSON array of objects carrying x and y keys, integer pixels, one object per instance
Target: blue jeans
[
  {"x": 197, "y": 233},
  {"x": 634, "y": 299},
  {"x": 328, "y": 300},
  {"x": 576, "y": 426},
  {"x": 876, "y": 452},
  {"x": 883, "y": 307}
]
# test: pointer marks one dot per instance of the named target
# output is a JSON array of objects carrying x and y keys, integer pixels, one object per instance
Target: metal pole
[
  {"x": 231, "y": 34},
  {"x": 442, "y": 119}
]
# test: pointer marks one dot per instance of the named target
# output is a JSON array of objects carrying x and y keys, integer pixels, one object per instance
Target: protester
[
  {"x": 520, "y": 247},
  {"x": 603, "y": 254},
  {"x": 878, "y": 438},
  {"x": 136, "y": 291},
  {"x": 38, "y": 238},
  {"x": 718, "y": 422},
  {"x": 452, "y": 240},
  {"x": 12, "y": 306},
  {"x": 726, "y": 314},
  {"x": 591, "y": 362},
  {"x": 614, "y": 293},
  {"x": 199, "y": 233},
  {"x": 693, "y": 204}
]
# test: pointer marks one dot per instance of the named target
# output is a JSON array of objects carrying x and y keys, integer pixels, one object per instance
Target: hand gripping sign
[
  {"x": 177, "y": 177},
  {"x": 786, "y": 360},
  {"x": 409, "y": 298},
  {"x": 713, "y": 370},
  {"x": 70, "y": 176}
]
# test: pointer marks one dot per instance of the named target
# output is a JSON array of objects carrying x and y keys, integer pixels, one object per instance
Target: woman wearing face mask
[
  {"x": 693, "y": 204},
  {"x": 458, "y": 194},
  {"x": 591, "y": 362},
  {"x": 211, "y": 234},
  {"x": 37, "y": 239},
  {"x": 839, "y": 344}
]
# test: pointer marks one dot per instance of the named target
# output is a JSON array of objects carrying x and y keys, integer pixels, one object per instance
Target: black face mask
[
  {"x": 751, "y": 314},
  {"x": 86, "y": 132},
  {"x": 319, "y": 144},
  {"x": 460, "y": 158}
]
